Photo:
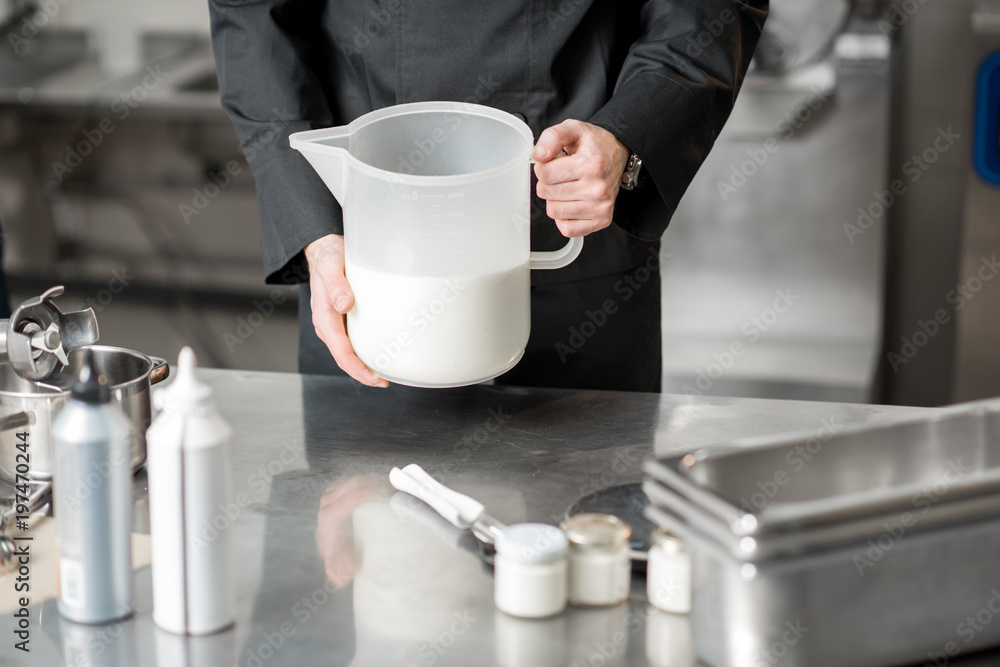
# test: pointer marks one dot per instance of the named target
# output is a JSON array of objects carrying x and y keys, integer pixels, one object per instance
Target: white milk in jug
[{"x": 438, "y": 331}]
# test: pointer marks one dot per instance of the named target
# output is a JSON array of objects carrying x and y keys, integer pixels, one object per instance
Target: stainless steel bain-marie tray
[
  {"x": 882, "y": 542},
  {"x": 846, "y": 475}
]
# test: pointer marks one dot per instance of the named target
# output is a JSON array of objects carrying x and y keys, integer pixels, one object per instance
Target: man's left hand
[{"x": 580, "y": 186}]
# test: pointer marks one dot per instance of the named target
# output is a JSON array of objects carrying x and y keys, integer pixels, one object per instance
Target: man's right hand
[{"x": 331, "y": 299}]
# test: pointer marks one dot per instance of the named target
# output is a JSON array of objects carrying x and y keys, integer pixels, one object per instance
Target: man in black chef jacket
[{"x": 603, "y": 85}]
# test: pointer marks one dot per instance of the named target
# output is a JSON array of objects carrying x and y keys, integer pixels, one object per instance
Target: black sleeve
[
  {"x": 675, "y": 92},
  {"x": 265, "y": 53}
]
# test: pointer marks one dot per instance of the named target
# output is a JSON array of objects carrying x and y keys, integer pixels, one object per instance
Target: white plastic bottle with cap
[{"x": 190, "y": 485}]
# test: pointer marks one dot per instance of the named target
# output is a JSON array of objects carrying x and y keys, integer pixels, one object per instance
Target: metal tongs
[
  {"x": 460, "y": 510},
  {"x": 38, "y": 335}
]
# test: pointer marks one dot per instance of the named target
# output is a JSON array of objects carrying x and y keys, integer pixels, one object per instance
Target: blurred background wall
[{"x": 837, "y": 244}]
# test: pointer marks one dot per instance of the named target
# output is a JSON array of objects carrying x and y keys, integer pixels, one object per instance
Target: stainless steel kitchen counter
[{"x": 331, "y": 570}]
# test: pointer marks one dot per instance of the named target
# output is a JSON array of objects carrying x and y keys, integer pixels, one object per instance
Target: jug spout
[{"x": 327, "y": 151}]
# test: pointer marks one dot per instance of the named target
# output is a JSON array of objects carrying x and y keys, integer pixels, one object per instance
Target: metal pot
[{"x": 32, "y": 406}]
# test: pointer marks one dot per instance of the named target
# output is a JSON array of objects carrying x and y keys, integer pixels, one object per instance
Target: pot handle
[
  {"x": 160, "y": 372},
  {"x": 16, "y": 420}
]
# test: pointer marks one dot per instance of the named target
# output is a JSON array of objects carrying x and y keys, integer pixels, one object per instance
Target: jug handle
[{"x": 556, "y": 259}]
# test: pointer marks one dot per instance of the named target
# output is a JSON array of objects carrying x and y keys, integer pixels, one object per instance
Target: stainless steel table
[{"x": 332, "y": 570}]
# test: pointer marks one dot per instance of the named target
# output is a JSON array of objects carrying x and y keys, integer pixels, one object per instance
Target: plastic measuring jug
[{"x": 436, "y": 200}]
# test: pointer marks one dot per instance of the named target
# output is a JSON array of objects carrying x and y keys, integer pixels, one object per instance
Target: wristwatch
[{"x": 630, "y": 177}]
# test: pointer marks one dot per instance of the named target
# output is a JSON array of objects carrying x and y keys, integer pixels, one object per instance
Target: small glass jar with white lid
[
  {"x": 600, "y": 565},
  {"x": 530, "y": 570},
  {"x": 668, "y": 573}
]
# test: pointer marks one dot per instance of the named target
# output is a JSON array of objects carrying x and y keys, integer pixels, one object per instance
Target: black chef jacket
[{"x": 661, "y": 75}]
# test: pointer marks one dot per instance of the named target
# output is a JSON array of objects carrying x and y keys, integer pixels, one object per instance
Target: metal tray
[
  {"x": 916, "y": 463},
  {"x": 826, "y": 573},
  {"x": 760, "y": 548},
  {"x": 860, "y": 606}
]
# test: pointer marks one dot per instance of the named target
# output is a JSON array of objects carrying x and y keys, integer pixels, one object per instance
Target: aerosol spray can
[
  {"x": 190, "y": 491},
  {"x": 92, "y": 493}
]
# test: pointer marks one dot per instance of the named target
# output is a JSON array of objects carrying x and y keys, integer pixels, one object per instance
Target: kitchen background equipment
[
  {"x": 799, "y": 33},
  {"x": 821, "y": 91},
  {"x": 943, "y": 234},
  {"x": 436, "y": 202},
  {"x": 946, "y": 466},
  {"x": 38, "y": 335},
  {"x": 854, "y": 523},
  {"x": 128, "y": 374},
  {"x": 31, "y": 406}
]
